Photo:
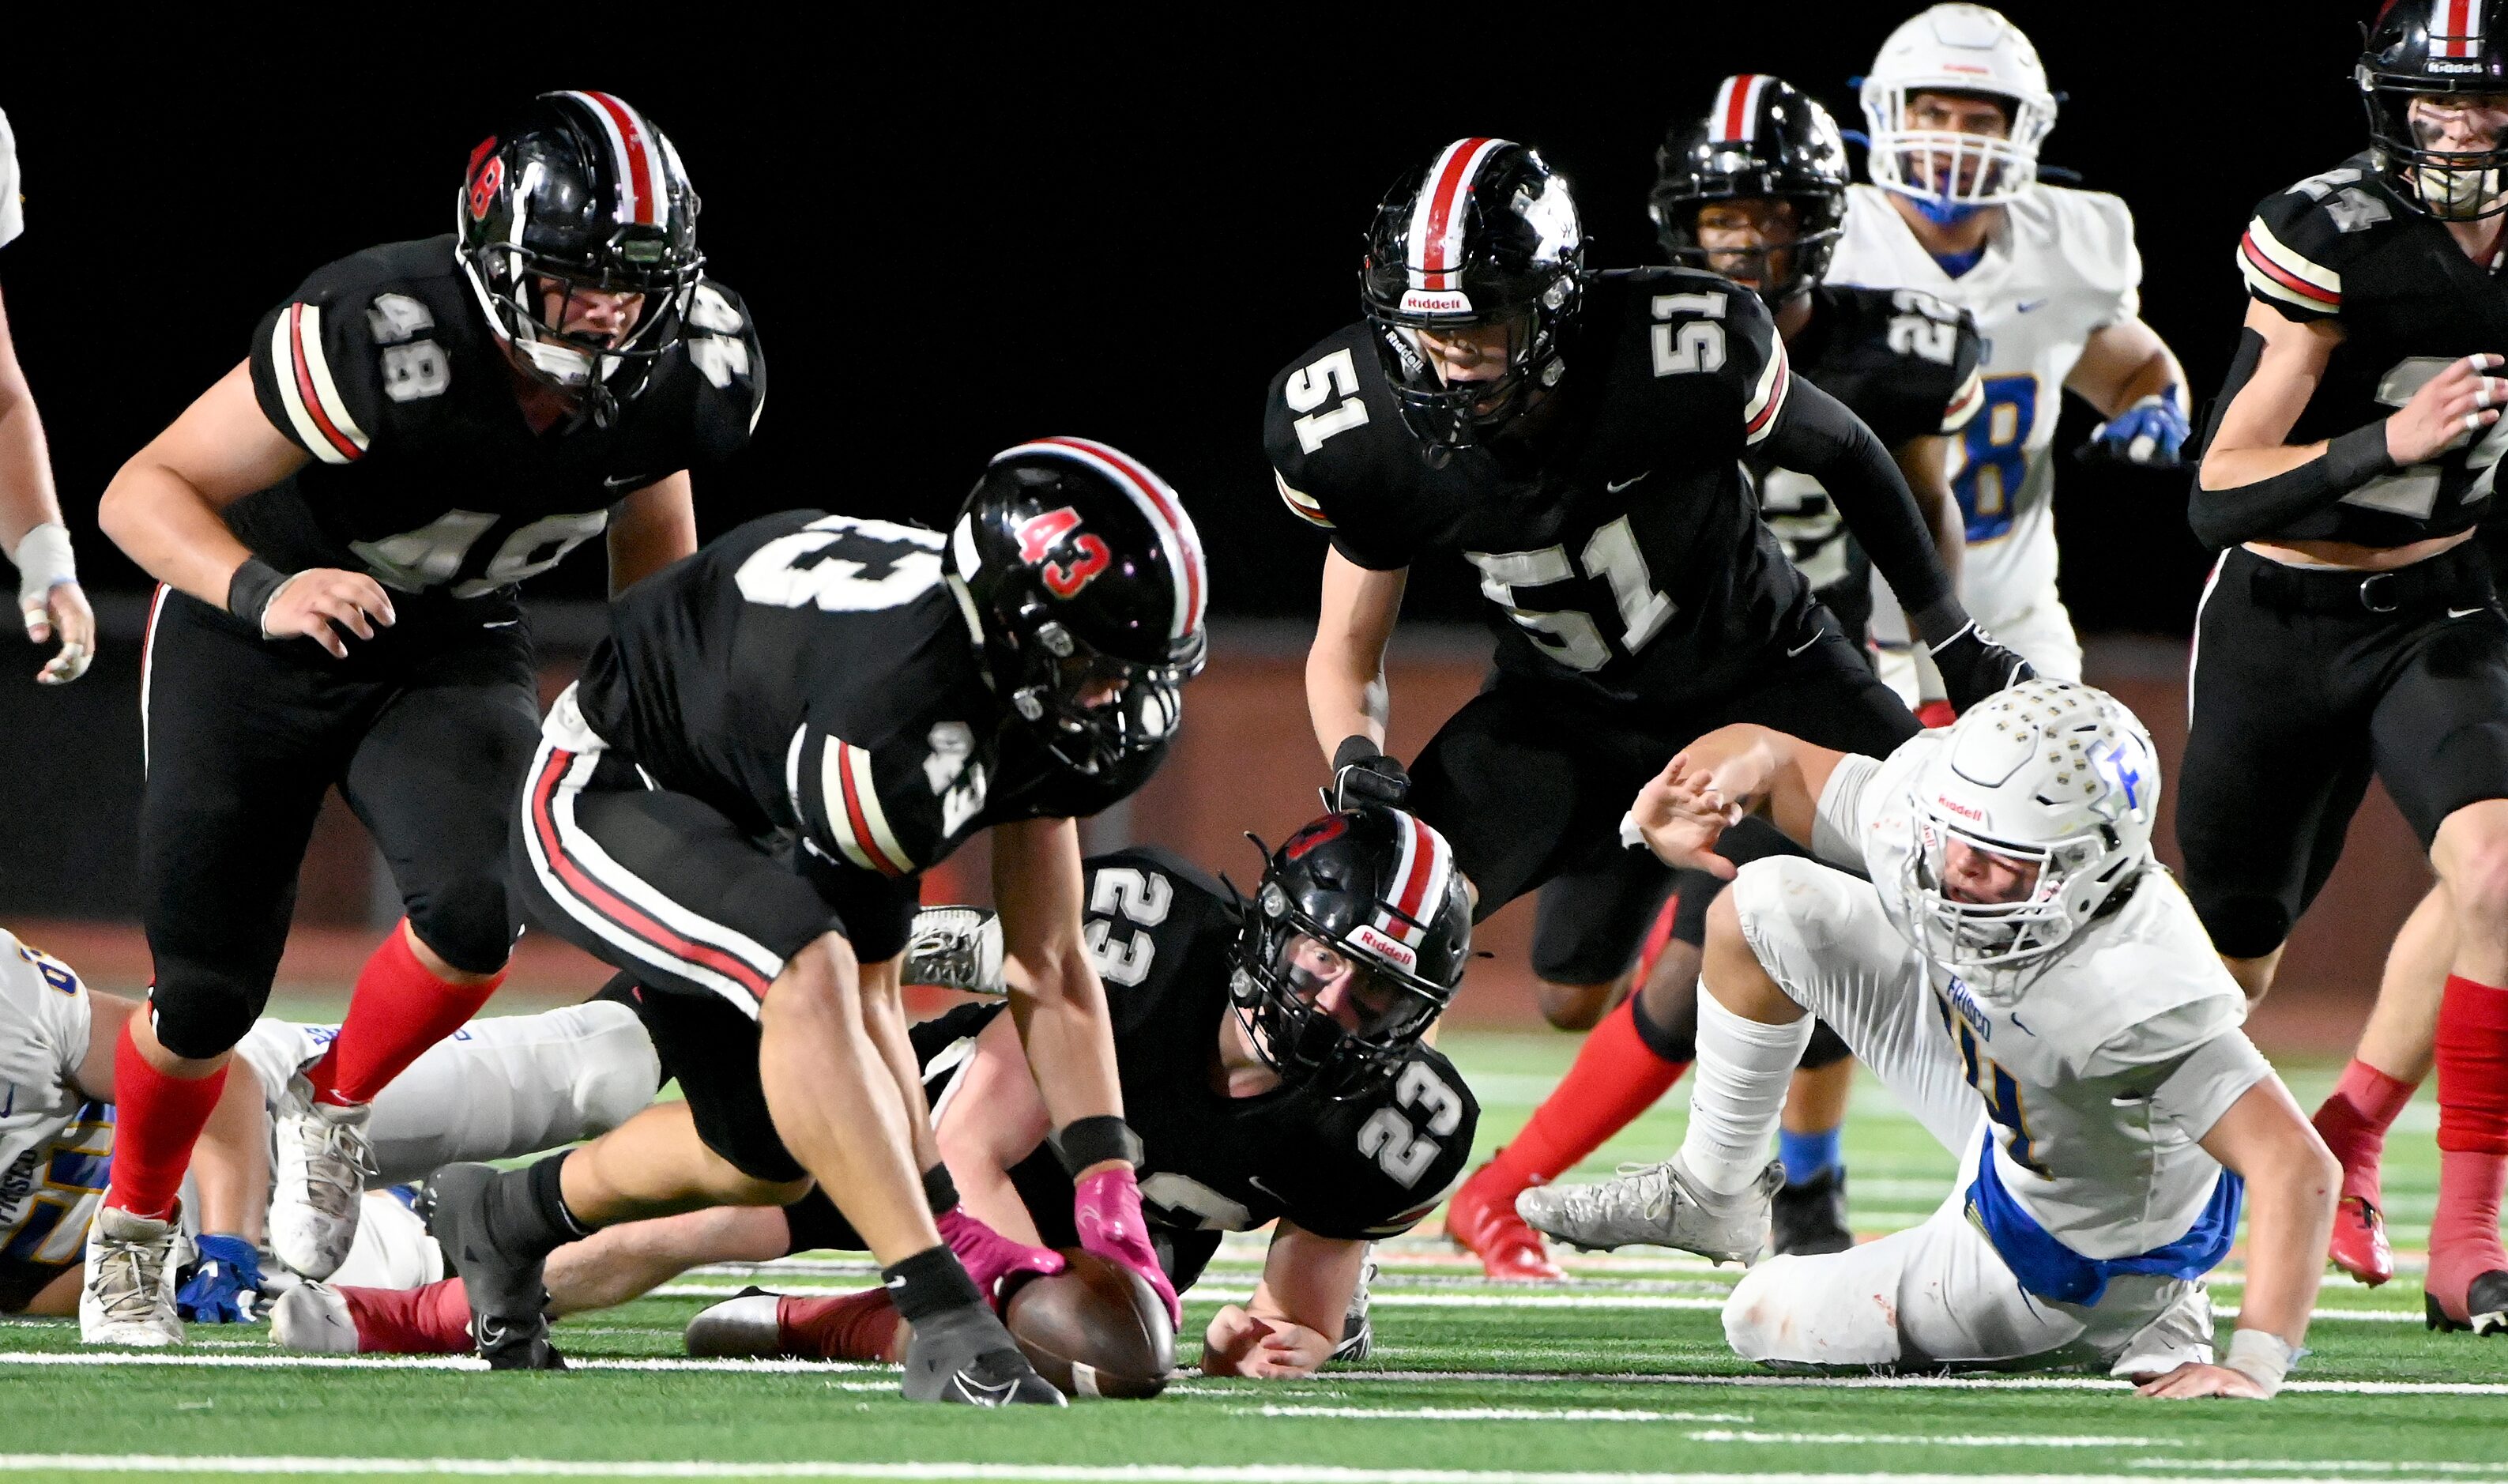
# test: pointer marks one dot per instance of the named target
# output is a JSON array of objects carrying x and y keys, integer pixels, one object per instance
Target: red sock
[
  {"x": 398, "y": 1011},
  {"x": 2353, "y": 1123},
  {"x": 432, "y": 1320},
  {"x": 1616, "y": 1077},
  {"x": 157, "y": 1118},
  {"x": 2472, "y": 1136},
  {"x": 1657, "y": 939},
  {"x": 860, "y": 1326}
]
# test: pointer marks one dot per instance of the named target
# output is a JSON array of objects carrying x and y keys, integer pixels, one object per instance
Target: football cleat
[
  {"x": 2359, "y": 1246},
  {"x": 1480, "y": 1220},
  {"x": 956, "y": 947},
  {"x": 2486, "y": 1306},
  {"x": 128, "y": 1295},
  {"x": 317, "y": 1179},
  {"x": 1659, "y": 1205},
  {"x": 963, "y": 1355},
  {"x": 1810, "y": 1217},
  {"x": 1357, "y": 1329},
  {"x": 507, "y": 1293},
  {"x": 743, "y": 1326},
  {"x": 313, "y": 1318}
]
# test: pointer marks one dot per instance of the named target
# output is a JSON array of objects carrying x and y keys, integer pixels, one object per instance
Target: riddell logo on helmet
[
  {"x": 1974, "y": 816},
  {"x": 1429, "y": 301},
  {"x": 1391, "y": 951},
  {"x": 483, "y": 186}
]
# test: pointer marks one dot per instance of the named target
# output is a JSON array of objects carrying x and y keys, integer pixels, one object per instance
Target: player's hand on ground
[
  {"x": 1238, "y": 1344},
  {"x": 1106, "y": 1212},
  {"x": 2192, "y": 1380},
  {"x": 2451, "y": 407},
  {"x": 1973, "y": 666},
  {"x": 224, "y": 1286},
  {"x": 322, "y": 603},
  {"x": 60, "y": 611},
  {"x": 988, "y": 1255},
  {"x": 1362, "y": 774},
  {"x": 1681, "y": 814}
]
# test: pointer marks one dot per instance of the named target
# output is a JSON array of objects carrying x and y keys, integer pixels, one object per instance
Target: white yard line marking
[
  {"x": 278, "y": 1359},
  {"x": 2379, "y": 1466},
  {"x": 1044, "y": 1473},
  {"x": 1922, "y": 1440},
  {"x": 1491, "y": 1414}
]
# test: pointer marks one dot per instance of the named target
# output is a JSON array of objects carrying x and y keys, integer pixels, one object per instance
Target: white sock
[{"x": 1736, "y": 1094}]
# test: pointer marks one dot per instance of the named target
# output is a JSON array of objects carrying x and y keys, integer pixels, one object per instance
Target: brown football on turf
[{"x": 1096, "y": 1328}]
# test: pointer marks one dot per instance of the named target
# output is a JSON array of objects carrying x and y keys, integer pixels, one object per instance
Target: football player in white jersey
[
  {"x": 1957, "y": 105},
  {"x": 2039, "y": 993},
  {"x": 49, "y": 598}
]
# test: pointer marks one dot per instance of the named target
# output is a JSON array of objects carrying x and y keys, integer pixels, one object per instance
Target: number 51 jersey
[{"x": 423, "y": 473}]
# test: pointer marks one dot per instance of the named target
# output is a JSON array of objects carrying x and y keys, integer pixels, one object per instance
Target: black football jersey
[
  {"x": 814, "y": 674},
  {"x": 1162, "y": 933},
  {"x": 1901, "y": 360},
  {"x": 1621, "y": 548},
  {"x": 381, "y": 366},
  {"x": 2341, "y": 246}
]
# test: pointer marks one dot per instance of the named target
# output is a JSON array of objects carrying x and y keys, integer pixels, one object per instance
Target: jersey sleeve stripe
[
  {"x": 2273, "y": 268},
  {"x": 631, "y": 148},
  {"x": 1436, "y": 244},
  {"x": 1768, "y": 398},
  {"x": 306, "y": 388},
  {"x": 1302, "y": 505},
  {"x": 1964, "y": 403},
  {"x": 1158, "y": 503},
  {"x": 861, "y": 830}
]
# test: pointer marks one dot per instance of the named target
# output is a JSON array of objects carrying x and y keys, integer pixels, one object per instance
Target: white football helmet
[
  {"x": 2048, "y": 774},
  {"x": 1956, "y": 49}
]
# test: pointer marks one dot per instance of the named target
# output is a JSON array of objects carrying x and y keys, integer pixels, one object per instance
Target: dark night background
[{"x": 959, "y": 239}]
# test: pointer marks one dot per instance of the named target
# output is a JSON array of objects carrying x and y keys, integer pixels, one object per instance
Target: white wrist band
[
  {"x": 2262, "y": 1357},
  {"x": 44, "y": 559}
]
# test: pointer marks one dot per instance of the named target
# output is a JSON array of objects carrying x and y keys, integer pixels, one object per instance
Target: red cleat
[
  {"x": 1480, "y": 1220},
  {"x": 2359, "y": 1246}
]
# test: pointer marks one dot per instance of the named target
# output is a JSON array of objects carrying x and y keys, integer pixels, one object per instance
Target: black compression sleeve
[
  {"x": 1816, "y": 435},
  {"x": 2260, "y": 509}
]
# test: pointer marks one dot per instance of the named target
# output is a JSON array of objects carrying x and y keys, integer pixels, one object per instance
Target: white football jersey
[
  {"x": 2103, "y": 1076},
  {"x": 13, "y": 210},
  {"x": 54, "y": 1142},
  {"x": 2061, "y": 266}
]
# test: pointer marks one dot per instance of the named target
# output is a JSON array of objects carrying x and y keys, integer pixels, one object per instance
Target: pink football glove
[
  {"x": 989, "y": 1256},
  {"x": 1107, "y": 1210}
]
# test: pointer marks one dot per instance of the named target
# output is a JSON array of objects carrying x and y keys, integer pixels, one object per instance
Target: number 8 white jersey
[
  {"x": 53, "y": 1141},
  {"x": 2061, "y": 267}
]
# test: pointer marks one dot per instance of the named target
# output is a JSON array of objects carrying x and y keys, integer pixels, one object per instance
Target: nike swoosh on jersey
[
  {"x": 626, "y": 482},
  {"x": 2460, "y": 613},
  {"x": 2026, "y": 304},
  {"x": 1625, "y": 483},
  {"x": 1257, "y": 1180},
  {"x": 1800, "y": 648}
]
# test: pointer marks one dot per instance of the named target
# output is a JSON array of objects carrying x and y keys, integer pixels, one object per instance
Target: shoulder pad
[
  {"x": 1331, "y": 429},
  {"x": 1706, "y": 328},
  {"x": 2301, "y": 239},
  {"x": 363, "y": 346},
  {"x": 721, "y": 344}
]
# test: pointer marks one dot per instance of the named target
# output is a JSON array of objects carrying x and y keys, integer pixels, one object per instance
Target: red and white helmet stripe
[
  {"x": 1158, "y": 503},
  {"x": 636, "y": 153},
  {"x": 1419, "y": 882},
  {"x": 1735, "y": 118},
  {"x": 2455, "y": 28},
  {"x": 1437, "y": 219}
]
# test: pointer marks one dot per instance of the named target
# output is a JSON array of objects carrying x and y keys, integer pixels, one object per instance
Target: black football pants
[{"x": 425, "y": 730}]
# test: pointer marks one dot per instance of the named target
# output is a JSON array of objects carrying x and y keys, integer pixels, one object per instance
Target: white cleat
[
  {"x": 127, "y": 1296},
  {"x": 741, "y": 1325},
  {"x": 313, "y": 1316},
  {"x": 319, "y": 1179},
  {"x": 956, "y": 947},
  {"x": 1659, "y": 1205}
]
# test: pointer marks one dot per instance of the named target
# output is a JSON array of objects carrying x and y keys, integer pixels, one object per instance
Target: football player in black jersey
[
  {"x": 2351, "y": 627},
  {"x": 1755, "y": 192},
  {"x": 1273, "y": 1061},
  {"x": 337, "y": 526},
  {"x": 735, "y": 804}
]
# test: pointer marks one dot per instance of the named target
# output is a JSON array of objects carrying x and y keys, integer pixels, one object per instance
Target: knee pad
[
  {"x": 1824, "y": 1050},
  {"x": 2244, "y": 927},
  {"x": 199, "y": 1012},
  {"x": 467, "y": 924}
]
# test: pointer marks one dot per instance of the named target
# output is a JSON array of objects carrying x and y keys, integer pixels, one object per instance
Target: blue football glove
[
  {"x": 2146, "y": 435},
  {"x": 224, "y": 1286}
]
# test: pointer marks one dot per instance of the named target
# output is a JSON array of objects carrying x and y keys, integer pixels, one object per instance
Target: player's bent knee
[
  {"x": 469, "y": 924},
  {"x": 201, "y": 1016},
  {"x": 1732, "y": 972},
  {"x": 1827, "y": 1048},
  {"x": 2472, "y": 857},
  {"x": 1782, "y": 1314},
  {"x": 1575, "y": 1007},
  {"x": 2244, "y": 927}
]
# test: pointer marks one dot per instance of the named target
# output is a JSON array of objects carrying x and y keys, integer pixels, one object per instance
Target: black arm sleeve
[
  {"x": 2260, "y": 509},
  {"x": 1816, "y": 435}
]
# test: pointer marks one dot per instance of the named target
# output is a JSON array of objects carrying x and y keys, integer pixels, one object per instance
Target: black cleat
[
  {"x": 509, "y": 1297},
  {"x": 964, "y": 1356},
  {"x": 1809, "y": 1218},
  {"x": 2486, "y": 1305}
]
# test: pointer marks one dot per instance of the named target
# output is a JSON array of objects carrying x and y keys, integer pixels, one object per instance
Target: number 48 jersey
[{"x": 423, "y": 473}]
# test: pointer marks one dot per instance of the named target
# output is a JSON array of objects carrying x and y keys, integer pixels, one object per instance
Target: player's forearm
[
  {"x": 2290, "y": 1218},
  {"x": 26, "y": 496},
  {"x": 1346, "y": 690},
  {"x": 2123, "y": 364},
  {"x": 1771, "y": 773},
  {"x": 1819, "y": 437},
  {"x": 653, "y": 527},
  {"x": 231, "y": 1165},
  {"x": 1923, "y": 462},
  {"x": 1069, "y": 1037},
  {"x": 163, "y": 523},
  {"x": 1343, "y": 700}
]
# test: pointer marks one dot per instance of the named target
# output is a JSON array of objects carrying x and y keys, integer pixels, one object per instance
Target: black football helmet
[
  {"x": 582, "y": 194},
  {"x": 1369, "y": 898},
  {"x": 2420, "y": 47},
  {"x": 1084, "y": 572},
  {"x": 1488, "y": 233},
  {"x": 1763, "y": 139}
]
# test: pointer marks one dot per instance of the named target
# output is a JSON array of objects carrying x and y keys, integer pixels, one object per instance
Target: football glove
[
  {"x": 2146, "y": 435},
  {"x": 224, "y": 1284},
  {"x": 1363, "y": 775},
  {"x": 1106, "y": 1210},
  {"x": 988, "y": 1255},
  {"x": 1973, "y": 666}
]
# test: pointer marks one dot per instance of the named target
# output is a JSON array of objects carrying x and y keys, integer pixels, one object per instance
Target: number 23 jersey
[
  {"x": 423, "y": 472},
  {"x": 1619, "y": 547}
]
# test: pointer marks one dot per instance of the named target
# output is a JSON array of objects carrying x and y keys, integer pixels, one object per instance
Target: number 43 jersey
[
  {"x": 423, "y": 472},
  {"x": 1620, "y": 545}
]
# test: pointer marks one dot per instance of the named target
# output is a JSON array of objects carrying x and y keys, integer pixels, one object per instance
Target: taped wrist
[
  {"x": 2262, "y": 1357},
  {"x": 2247, "y": 511},
  {"x": 250, "y": 589},
  {"x": 1095, "y": 1139},
  {"x": 44, "y": 558},
  {"x": 939, "y": 1191}
]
